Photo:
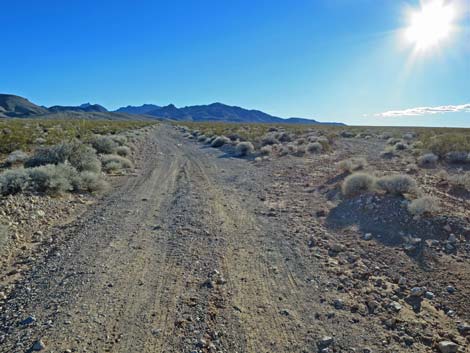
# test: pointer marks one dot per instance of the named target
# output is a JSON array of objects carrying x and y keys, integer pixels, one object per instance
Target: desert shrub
[
  {"x": 457, "y": 157},
  {"x": 266, "y": 150},
  {"x": 417, "y": 145},
  {"x": 269, "y": 140},
  {"x": 388, "y": 152},
  {"x": 408, "y": 136},
  {"x": 245, "y": 148},
  {"x": 443, "y": 144},
  {"x": 385, "y": 135},
  {"x": 208, "y": 140},
  {"x": 428, "y": 160},
  {"x": 460, "y": 180},
  {"x": 284, "y": 137},
  {"x": 40, "y": 141},
  {"x": 17, "y": 157},
  {"x": 314, "y": 147},
  {"x": 201, "y": 138},
  {"x": 358, "y": 183},
  {"x": 412, "y": 168},
  {"x": 397, "y": 184},
  {"x": 291, "y": 148},
  {"x": 347, "y": 134},
  {"x": 103, "y": 144},
  {"x": 186, "y": 134},
  {"x": 301, "y": 150},
  {"x": 123, "y": 151},
  {"x": 353, "y": 164},
  {"x": 401, "y": 146},
  {"x": 53, "y": 179},
  {"x": 283, "y": 150},
  {"x": 234, "y": 137},
  {"x": 220, "y": 141},
  {"x": 14, "y": 181},
  {"x": 80, "y": 156},
  {"x": 301, "y": 141},
  {"x": 84, "y": 158},
  {"x": 120, "y": 140},
  {"x": 113, "y": 162},
  {"x": 442, "y": 175},
  {"x": 91, "y": 182},
  {"x": 393, "y": 141},
  {"x": 423, "y": 205}
]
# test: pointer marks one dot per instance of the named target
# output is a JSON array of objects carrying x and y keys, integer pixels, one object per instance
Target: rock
[
  {"x": 367, "y": 236},
  {"x": 395, "y": 306},
  {"x": 450, "y": 289},
  {"x": 417, "y": 291},
  {"x": 38, "y": 346},
  {"x": 452, "y": 239},
  {"x": 284, "y": 312},
  {"x": 448, "y": 347},
  {"x": 28, "y": 320},
  {"x": 336, "y": 247},
  {"x": 3, "y": 296},
  {"x": 338, "y": 304},
  {"x": 325, "y": 342},
  {"x": 429, "y": 295},
  {"x": 464, "y": 329},
  {"x": 40, "y": 213}
]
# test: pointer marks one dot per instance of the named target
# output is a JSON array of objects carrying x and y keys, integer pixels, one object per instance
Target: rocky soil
[{"x": 203, "y": 252}]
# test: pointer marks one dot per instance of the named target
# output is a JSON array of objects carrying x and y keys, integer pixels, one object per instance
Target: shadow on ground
[{"x": 387, "y": 219}]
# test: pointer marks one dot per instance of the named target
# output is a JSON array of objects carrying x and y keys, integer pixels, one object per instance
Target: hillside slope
[{"x": 16, "y": 106}]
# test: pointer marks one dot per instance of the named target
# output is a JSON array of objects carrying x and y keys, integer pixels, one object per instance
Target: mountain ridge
[
  {"x": 12, "y": 106},
  {"x": 221, "y": 113}
]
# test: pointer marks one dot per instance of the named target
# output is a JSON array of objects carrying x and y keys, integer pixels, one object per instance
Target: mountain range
[{"x": 12, "y": 106}]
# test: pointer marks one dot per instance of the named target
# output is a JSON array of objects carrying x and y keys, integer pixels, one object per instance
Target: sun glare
[{"x": 431, "y": 24}]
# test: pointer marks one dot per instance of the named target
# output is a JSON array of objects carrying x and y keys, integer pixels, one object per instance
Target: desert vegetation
[{"x": 75, "y": 164}]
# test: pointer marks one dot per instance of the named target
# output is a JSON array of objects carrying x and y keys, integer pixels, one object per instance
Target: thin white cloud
[{"x": 419, "y": 111}]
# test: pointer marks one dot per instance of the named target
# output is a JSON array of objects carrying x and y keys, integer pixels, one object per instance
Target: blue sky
[{"x": 341, "y": 60}]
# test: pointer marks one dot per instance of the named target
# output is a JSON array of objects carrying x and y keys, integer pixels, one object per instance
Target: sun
[{"x": 431, "y": 24}]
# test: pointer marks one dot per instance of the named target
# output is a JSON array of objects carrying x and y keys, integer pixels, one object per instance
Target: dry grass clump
[
  {"x": 314, "y": 147},
  {"x": 446, "y": 143},
  {"x": 358, "y": 183},
  {"x": 352, "y": 164},
  {"x": 397, "y": 184},
  {"x": 245, "y": 148},
  {"x": 92, "y": 182},
  {"x": 266, "y": 150},
  {"x": 459, "y": 180},
  {"x": 123, "y": 151},
  {"x": 269, "y": 140},
  {"x": 401, "y": 146},
  {"x": 424, "y": 205},
  {"x": 220, "y": 141},
  {"x": 17, "y": 157},
  {"x": 113, "y": 163}
]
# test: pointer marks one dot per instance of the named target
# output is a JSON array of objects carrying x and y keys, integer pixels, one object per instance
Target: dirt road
[{"x": 188, "y": 255}]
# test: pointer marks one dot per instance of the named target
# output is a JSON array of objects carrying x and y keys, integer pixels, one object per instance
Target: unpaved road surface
[{"x": 194, "y": 253}]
